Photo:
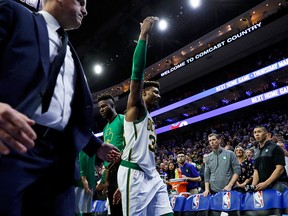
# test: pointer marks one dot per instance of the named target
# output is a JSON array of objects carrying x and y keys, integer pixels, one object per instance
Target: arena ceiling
[{"x": 108, "y": 33}]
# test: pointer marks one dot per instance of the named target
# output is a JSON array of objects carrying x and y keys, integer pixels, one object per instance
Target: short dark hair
[
  {"x": 214, "y": 134},
  {"x": 105, "y": 96},
  {"x": 151, "y": 83},
  {"x": 180, "y": 152},
  {"x": 263, "y": 128}
]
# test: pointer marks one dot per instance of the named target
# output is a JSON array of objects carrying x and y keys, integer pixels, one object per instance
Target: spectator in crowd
[
  {"x": 247, "y": 168},
  {"x": 249, "y": 154},
  {"x": 280, "y": 140},
  {"x": 188, "y": 159},
  {"x": 269, "y": 165},
  {"x": 228, "y": 146},
  {"x": 201, "y": 172},
  {"x": 189, "y": 172},
  {"x": 171, "y": 171},
  {"x": 256, "y": 150},
  {"x": 170, "y": 175},
  {"x": 281, "y": 144},
  {"x": 220, "y": 163},
  {"x": 161, "y": 168},
  {"x": 101, "y": 185}
]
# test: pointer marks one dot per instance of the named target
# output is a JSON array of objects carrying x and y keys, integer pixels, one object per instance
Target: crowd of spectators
[{"x": 235, "y": 134}]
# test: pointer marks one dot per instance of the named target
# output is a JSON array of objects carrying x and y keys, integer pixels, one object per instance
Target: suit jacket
[{"x": 24, "y": 67}]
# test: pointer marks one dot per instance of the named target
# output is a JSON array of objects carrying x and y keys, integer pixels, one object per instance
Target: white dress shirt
[{"x": 59, "y": 110}]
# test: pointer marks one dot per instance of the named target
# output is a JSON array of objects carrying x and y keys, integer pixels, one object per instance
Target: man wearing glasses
[{"x": 189, "y": 172}]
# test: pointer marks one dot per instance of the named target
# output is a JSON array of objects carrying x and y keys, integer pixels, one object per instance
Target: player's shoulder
[{"x": 121, "y": 117}]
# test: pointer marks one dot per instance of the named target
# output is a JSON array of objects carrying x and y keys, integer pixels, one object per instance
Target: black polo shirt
[{"x": 270, "y": 155}]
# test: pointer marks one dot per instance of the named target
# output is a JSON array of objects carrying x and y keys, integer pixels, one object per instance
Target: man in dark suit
[{"x": 39, "y": 143}]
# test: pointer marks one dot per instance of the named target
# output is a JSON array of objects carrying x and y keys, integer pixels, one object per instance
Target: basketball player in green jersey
[{"x": 113, "y": 134}]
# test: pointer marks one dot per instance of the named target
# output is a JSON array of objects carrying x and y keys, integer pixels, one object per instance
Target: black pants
[
  {"x": 116, "y": 210},
  {"x": 39, "y": 182}
]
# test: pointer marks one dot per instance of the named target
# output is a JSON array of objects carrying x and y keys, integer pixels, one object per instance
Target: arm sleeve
[
  {"x": 5, "y": 22},
  {"x": 194, "y": 171},
  {"x": 139, "y": 60},
  {"x": 206, "y": 172},
  {"x": 93, "y": 145}
]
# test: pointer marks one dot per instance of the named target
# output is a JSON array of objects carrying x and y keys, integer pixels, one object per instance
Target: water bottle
[{"x": 176, "y": 173}]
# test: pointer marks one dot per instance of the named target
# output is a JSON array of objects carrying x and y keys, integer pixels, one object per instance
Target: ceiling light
[
  {"x": 162, "y": 24},
  {"x": 194, "y": 3},
  {"x": 98, "y": 69}
]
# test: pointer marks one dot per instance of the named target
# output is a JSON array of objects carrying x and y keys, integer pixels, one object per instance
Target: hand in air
[{"x": 147, "y": 25}]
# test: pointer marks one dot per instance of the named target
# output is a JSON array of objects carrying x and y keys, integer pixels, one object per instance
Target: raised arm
[{"x": 135, "y": 105}]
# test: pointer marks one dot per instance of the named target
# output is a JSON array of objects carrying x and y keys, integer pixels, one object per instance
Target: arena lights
[
  {"x": 195, "y": 3},
  {"x": 98, "y": 69},
  {"x": 162, "y": 25}
]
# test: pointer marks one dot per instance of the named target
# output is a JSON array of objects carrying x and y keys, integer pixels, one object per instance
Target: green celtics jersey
[
  {"x": 113, "y": 133},
  {"x": 87, "y": 168}
]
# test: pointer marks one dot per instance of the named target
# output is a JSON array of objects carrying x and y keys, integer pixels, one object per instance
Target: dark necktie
[{"x": 54, "y": 70}]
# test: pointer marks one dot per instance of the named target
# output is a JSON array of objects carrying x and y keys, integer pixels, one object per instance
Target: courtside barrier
[
  {"x": 262, "y": 203},
  {"x": 177, "y": 203},
  {"x": 227, "y": 202},
  {"x": 99, "y": 207},
  {"x": 268, "y": 202},
  {"x": 197, "y": 205},
  {"x": 285, "y": 203}
]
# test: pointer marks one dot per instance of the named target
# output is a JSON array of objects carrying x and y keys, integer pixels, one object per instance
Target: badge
[{"x": 224, "y": 157}]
